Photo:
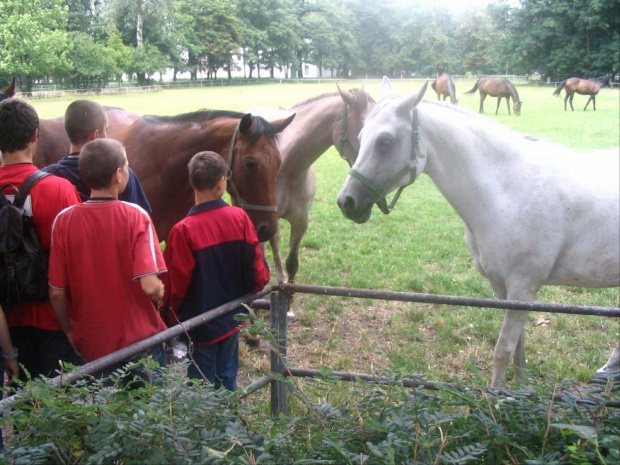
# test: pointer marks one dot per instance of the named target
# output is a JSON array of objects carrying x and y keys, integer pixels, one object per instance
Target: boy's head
[
  {"x": 206, "y": 169},
  {"x": 19, "y": 123},
  {"x": 100, "y": 160},
  {"x": 85, "y": 120}
]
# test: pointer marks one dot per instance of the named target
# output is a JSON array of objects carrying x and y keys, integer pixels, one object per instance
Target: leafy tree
[
  {"x": 561, "y": 38},
  {"x": 33, "y": 39},
  {"x": 91, "y": 62},
  {"x": 479, "y": 45},
  {"x": 210, "y": 34}
]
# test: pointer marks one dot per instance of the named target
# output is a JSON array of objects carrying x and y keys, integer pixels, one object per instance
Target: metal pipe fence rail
[{"x": 278, "y": 303}]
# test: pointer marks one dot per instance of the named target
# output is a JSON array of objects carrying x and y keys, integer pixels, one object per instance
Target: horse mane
[
  {"x": 200, "y": 115},
  {"x": 260, "y": 126},
  {"x": 360, "y": 96}
]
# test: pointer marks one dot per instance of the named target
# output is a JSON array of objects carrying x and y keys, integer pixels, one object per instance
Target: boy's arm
[
  {"x": 58, "y": 299},
  {"x": 180, "y": 263},
  {"x": 152, "y": 286},
  {"x": 10, "y": 364}
]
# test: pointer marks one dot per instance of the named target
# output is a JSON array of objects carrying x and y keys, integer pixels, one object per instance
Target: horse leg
[
  {"x": 612, "y": 363},
  {"x": 274, "y": 242},
  {"x": 570, "y": 100},
  {"x": 499, "y": 99},
  {"x": 482, "y": 97},
  {"x": 508, "y": 105},
  {"x": 298, "y": 229},
  {"x": 510, "y": 339}
]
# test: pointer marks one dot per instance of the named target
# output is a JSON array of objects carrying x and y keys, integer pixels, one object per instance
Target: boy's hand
[{"x": 152, "y": 286}]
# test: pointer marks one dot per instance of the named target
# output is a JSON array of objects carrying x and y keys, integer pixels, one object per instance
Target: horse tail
[
  {"x": 559, "y": 88},
  {"x": 474, "y": 89}
]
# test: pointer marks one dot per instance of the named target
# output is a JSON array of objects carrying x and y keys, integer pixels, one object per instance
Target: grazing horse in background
[
  {"x": 444, "y": 85},
  {"x": 320, "y": 122},
  {"x": 582, "y": 87},
  {"x": 497, "y": 87},
  {"x": 159, "y": 148},
  {"x": 535, "y": 213},
  {"x": 9, "y": 91}
]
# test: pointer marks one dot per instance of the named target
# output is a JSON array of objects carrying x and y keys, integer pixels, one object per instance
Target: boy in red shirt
[
  {"x": 33, "y": 326},
  {"x": 213, "y": 256},
  {"x": 105, "y": 262}
]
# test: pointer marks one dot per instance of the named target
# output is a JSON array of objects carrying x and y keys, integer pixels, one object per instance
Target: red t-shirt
[
  {"x": 99, "y": 252},
  {"x": 48, "y": 197}
]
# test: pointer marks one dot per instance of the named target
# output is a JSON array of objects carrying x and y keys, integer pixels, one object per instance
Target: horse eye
[
  {"x": 250, "y": 164},
  {"x": 385, "y": 140}
]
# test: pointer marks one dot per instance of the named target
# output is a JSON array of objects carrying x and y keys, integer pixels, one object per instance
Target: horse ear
[
  {"x": 386, "y": 88},
  {"x": 246, "y": 123},
  {"x": 280, "y": 125},
  {"x": 10, "y": 90},
  {"x": 411, "y": 102},
  {"x": 346, "y": 95}
]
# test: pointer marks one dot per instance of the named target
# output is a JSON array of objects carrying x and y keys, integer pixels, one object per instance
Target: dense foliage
[
  {"x": 333, "y": 422},
  {"x": 82, "y": 43}
]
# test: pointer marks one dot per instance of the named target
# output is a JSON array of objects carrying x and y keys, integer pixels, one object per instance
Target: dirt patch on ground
[{"x": 357, "y": 339}]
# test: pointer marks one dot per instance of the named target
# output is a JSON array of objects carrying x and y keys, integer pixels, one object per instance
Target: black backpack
[{"x": 23, "y": 263}]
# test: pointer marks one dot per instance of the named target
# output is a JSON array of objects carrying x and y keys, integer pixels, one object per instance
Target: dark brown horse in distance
[
  {"x": 444, "y": 85},
  {"x": 497, "y": 87},
  {"x": 582, "y": 87}
]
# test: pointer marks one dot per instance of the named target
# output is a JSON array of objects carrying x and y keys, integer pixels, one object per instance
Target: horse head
[
  {"x": 254, "y": 160},
  {"x": 358, "y": 104},
  {"x": 9, "y": 91},
  {"x": 516, "y": 107},
  {"x": 389, "y": 156}
]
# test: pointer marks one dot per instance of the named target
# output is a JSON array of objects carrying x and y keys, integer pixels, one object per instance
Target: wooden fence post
[{"x": 279, "y": 308}]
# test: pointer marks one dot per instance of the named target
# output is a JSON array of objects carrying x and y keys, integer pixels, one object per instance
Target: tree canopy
[{"x": 83, "y": 43}]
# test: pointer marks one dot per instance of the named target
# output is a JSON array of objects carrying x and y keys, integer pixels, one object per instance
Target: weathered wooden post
[{"x": 279, "y": 309}]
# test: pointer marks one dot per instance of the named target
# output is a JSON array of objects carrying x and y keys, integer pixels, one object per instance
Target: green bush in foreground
[{"x": 181, "y": 423}]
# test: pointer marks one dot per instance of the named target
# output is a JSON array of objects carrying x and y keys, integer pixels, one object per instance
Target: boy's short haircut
[
  {"x": 206, "y": 169},
  {"x": 18, "y": 122},
  {"x": 82, "y": 117},
  {"x": 99, "y": 160}
]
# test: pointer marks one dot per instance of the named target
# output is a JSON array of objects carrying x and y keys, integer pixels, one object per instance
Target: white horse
[{"x": 535, "y": 213}]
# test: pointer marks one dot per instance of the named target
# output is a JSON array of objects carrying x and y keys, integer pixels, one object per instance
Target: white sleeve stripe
[{"x": 152, "y": 243}]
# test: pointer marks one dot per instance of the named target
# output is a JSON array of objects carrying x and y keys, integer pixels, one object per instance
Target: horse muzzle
[{"x": 352, "y": 209}]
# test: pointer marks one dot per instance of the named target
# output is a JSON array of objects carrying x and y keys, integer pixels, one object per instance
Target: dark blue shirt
[{"x": 67, "y": 168}]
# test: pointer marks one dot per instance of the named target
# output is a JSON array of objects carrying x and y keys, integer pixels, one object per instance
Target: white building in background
[{"x": 309, "y": 71}]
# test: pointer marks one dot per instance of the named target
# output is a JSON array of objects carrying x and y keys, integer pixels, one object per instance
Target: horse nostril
[{"x": 348, "y": 204}]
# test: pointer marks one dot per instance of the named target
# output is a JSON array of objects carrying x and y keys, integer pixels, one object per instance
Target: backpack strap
[{"x": 22, "y": 193}]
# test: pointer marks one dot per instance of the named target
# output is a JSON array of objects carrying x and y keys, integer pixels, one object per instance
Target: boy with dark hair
[
  {"x": 105, "y": 263},
  {"x": 213, "y": 256},
  {"x": 33, "y": 326},
  {"x": 86, "y": 120}
]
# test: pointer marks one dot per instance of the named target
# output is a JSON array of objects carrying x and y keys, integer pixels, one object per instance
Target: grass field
[{"x": 418, "y": 247}]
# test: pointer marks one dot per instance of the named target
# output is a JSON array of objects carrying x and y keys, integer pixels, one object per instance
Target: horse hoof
[{"x": 290, "y": 318}]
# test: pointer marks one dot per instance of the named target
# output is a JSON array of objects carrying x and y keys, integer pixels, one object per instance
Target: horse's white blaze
[{"x": 535, "y": 213}]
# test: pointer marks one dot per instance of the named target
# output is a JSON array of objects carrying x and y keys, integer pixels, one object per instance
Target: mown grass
[{"x": 418, "y": 247}]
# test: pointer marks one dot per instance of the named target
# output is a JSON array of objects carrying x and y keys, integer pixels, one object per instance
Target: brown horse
[
  {"x": 444, "y": 85},
  {"x": 159, "y": 148},
  {"x": 9, "y": 91},
  {"x": 582, "y": 87},
  {"x": 497, "y": 87}
]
